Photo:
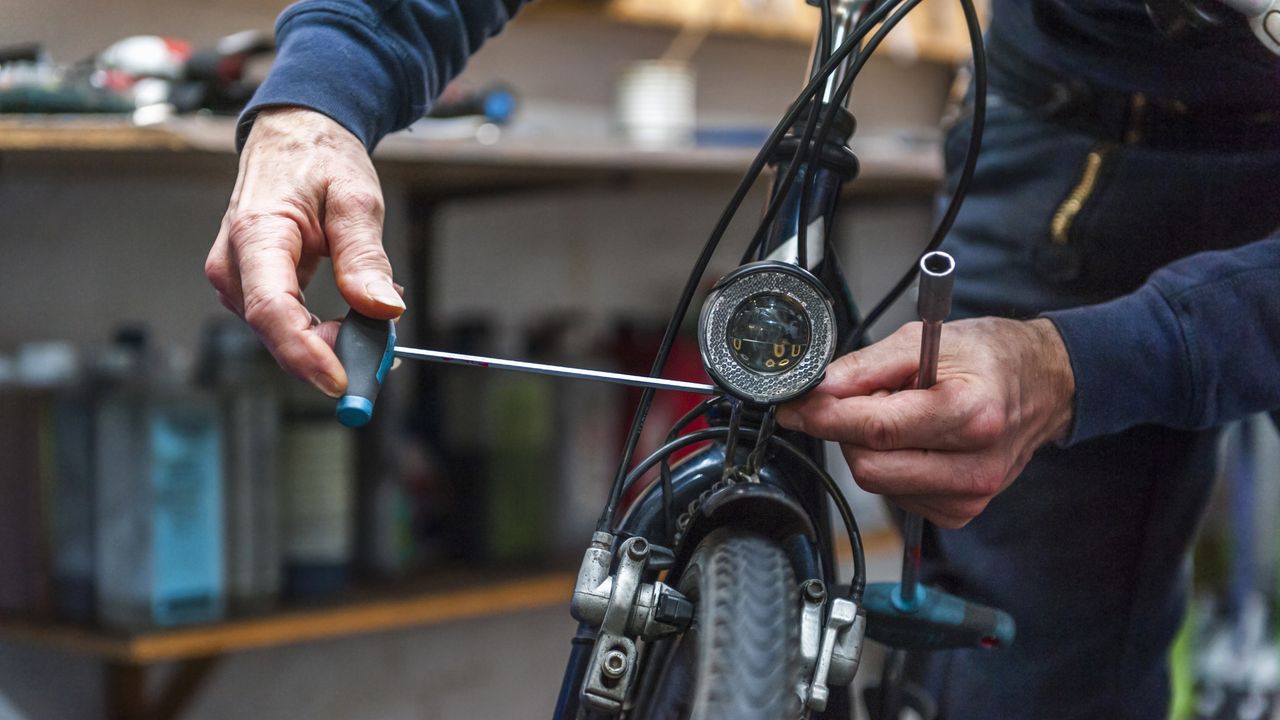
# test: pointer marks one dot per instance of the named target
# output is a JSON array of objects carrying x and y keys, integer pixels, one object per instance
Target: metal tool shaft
[
  {"x": 556, "y": 370},
  {"x": 937, "y": 277}
]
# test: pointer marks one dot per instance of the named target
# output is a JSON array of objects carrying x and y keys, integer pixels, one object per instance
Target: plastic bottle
[
  {"x": 158, "y": 500},
  {"x": 239, "y": 371},
  {"x": 317, "y": 495}
]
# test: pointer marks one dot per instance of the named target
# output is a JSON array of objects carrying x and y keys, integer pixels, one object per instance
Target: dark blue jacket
[
  {"x": 374, "y": 66},
  {"x": 1196, "y": 346}
]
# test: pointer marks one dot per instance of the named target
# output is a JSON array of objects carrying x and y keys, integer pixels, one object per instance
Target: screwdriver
[
  {"x": 933, "y": 305},
  {"x": 937, "y": 277},
  {"x": 366, "y": 348}
]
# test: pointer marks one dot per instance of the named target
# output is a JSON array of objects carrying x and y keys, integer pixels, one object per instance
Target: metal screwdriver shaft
[
  {"x": 937, "y": 277},
  {"x": 556, "y": 370}
]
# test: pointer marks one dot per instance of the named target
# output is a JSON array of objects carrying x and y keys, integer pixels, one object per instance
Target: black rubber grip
[{"x": 365, "y": 347}]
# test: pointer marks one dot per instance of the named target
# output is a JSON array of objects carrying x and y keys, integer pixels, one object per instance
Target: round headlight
[{"x": 767, "y": 332}]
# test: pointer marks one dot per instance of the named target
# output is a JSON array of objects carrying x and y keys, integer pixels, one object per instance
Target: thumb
[
  {"x": 887, "y": 365},
  {"x": 353, "y": 227}
]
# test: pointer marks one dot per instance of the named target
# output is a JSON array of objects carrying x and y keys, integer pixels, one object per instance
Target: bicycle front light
[{"x": 767, "y": 332}]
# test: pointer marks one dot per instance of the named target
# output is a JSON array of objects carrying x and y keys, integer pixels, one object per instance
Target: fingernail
[
  {"x": 382, "y": 292},
  {"x": 326, "y": 384}
]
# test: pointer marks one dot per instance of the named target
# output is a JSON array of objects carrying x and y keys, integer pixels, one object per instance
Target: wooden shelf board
[
  {"x": 442, "y": 167},
  {"x": 934, "y": 32},
  {"x": 85, "y": 133},
  {"x": 297, "y": 626}
]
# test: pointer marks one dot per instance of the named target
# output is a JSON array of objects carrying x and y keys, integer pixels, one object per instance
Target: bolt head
[
  {"x": 814, "y": 591},
  {"x": 638, "y": 549},
  {"x": 614, "y": 664}
]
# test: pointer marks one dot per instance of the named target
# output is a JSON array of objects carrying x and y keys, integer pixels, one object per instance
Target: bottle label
[{"x": 186, "y": 514}]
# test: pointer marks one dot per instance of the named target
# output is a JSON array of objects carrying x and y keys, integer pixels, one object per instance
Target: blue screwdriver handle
[
  {"x": 936, "y": 621},
  {"x": 365, "y": 347}
]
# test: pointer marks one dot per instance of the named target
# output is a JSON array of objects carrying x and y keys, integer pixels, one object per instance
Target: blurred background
[{"x": 185, "y": 532}]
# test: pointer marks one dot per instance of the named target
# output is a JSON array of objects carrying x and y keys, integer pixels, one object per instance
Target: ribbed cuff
[
  {"x": 1130, "y": 362},
  {"x": 332, "y": 59}
]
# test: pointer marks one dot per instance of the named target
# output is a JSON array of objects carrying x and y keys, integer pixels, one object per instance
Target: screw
[
  {"x": 638, "y": 549},
  {"x": 614, "y": 664},
  {"x": 814, "y": 591}
]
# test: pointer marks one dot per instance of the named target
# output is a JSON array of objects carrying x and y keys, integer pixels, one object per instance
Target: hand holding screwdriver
[{"x": 306, "y": 190}]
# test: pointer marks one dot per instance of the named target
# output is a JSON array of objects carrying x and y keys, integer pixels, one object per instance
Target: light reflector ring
[{"x": 750, "y": 281}]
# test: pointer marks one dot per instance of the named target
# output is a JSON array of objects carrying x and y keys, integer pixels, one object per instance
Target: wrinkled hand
[
  {"x": 1004, "y": 389},
  {"x": 306, "y": 190}
]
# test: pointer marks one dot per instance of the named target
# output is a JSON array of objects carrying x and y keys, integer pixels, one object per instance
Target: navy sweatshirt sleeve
[
  {"x": 372, "y": 65},
  {"x": 1196, "y": 346}
]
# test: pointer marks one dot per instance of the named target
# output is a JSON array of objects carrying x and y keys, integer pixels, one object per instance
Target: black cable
[
  {"x": 668, "y": 513},
  {"x": 962, "y": 185},
  {"x": 840, "y": 99},
  {"x": 802, "y": 232},
  {"x": 694, "y": 414},
  {"x": 810, "y": 177},
  {"x": 824, "y": 36},
  {"x": 859, "y": 581},
  {"x": 731, "y": 440},
  {"x": 837, "y": 101},
  {"x": 700, "y": 266},
  {"x": 806, "y": 190}
]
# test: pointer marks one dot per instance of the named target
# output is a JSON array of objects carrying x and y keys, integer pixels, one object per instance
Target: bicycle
[{"x": 748, "y": 620}]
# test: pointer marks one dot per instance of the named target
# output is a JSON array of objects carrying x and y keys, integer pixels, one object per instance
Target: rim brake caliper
[{"x": 625, "y": 609}]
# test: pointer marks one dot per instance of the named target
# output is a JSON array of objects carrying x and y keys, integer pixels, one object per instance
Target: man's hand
[
  {"x": 1004, "y": 389},
  {"x": 306, "y": 190}
]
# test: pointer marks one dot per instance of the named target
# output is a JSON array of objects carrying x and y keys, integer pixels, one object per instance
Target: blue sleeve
[
  {"x": 372, "y": 65},
  {"x": 1198, "y": 345}
]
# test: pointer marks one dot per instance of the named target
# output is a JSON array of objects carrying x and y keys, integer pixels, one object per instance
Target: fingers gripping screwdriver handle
[{"x": 365, "y": 347}]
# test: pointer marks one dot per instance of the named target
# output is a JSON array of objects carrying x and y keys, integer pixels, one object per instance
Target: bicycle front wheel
[{"x": 739, "y": 660}]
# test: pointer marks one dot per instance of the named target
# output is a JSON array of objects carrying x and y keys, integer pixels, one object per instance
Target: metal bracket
[
  {"x": 813, "y": 597},
  {"x": 841, "y": 651},
  {"x": 624, "y": 608}
]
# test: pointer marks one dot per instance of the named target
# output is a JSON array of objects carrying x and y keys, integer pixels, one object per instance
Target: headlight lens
[{"x": 769, "y": 333}]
